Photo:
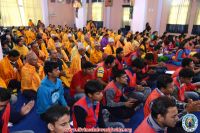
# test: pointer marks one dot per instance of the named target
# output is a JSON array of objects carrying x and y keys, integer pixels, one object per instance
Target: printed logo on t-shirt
[{"x": 55, "y": 96}]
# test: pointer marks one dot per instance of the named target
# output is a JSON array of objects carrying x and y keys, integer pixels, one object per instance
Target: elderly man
[
  {"x": 78, "y": 59},
  {"x": 110, "y": 49},
  {"x": 31, "y": 73}
]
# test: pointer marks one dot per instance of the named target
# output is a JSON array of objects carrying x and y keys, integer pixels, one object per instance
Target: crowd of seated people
[{"x": 98, "y": 78}]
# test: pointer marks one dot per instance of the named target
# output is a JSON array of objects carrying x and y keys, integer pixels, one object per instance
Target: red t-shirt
[{"x": 79, "y": 79}]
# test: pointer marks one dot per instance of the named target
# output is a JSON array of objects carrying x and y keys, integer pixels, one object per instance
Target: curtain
[
  {"x": 97, "y": 11},
  {"x": 18, "y": 12},
  {"x": 196, "y": 26},
  {"x": 9, "y": 13},
  {"x": 178, "y": 17},
  {"x": 32, "y": 10},
  {"x": 126, "y": 16},
  {"x": 179, "y": 12}
]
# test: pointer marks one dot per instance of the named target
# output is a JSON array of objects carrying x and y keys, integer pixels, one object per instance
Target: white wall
[
  {"x": 139, "y": 16},
  {"x": 45, "y": 12}
]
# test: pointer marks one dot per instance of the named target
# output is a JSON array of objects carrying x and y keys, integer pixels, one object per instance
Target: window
[
  {"x": 32, "y": 10},
  {"x": 9, "y": 13},
  {"x": 18, "y": 12},
  {"x": 97, "y": 11},
  {"x": 126, "y": 16},
  {"x": 179, "y": 12}
]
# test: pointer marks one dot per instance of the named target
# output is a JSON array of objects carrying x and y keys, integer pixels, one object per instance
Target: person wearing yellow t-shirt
[
  {"x": 2, "y": 83},
  {"x": 30, "y": 36},
  {"x": 42, "y": 45},
  {"x": 10, "y": 68},
  {"x": 51, "y": 42},
  {"x": 61, "y": 53},
  {"x": 110, "y": 49},
  {"x": 128, "y": 47},
  {"x": 30, "y": 23},
  {"x": 21, "y": 48},
  {"x": 39, "y": 53},
  {"x": 96, "y": 54},
  {"x": 69, "y": 44},
  {"x": 78, "y": 59},
  {"x": 65, "y": 74},
  {"x": 30, "y": 81},
  {"x": 120, "y": 42}
]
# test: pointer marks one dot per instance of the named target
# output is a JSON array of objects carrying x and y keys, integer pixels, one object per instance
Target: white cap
[
  {"x": 97, "y": 43},
  {"x": 53, "y": 35},
  {"x": 69, "y": 35},
  {"x": 80, "y": 46},
  {"x": 110, "y": 40}
]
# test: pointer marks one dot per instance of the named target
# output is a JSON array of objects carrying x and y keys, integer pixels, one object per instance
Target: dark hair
[
  {"x": 186, "y": 62},
  {"x": 197, "y": 55},
  {"x": 32, "y": 43},
  {"x": 38, "y": 37},
  {"x": 109, "y": 59},
  {"x": 87, "y": 65},
  {"x": 49, "y": 66},
  {"x": 186, "y": 73},
  {"x": 157, "y": 47},
  {"x": 161, "y": 105},
  {"x": 119, "y": 50},
  {"x": 55, "y": 38},
  {"x": 119, "y": 32},
  {"x": 144, "y": 43},
  {"x": 138, "y": 63},
  {"x": 163, "y": 81},
  {"x": 93, "y": 86},
  {"x": 129, "y": 39},
  {"x": 149, "y": 56},
  {"x": 182, "y": 44},
  {"x": 116, "y": 73},
  {"x": 18, "y": 39},
  {"x": 13, "y": 53},
  {"x": 54, "y": 113},
  {"x": 4, "y": 94}
]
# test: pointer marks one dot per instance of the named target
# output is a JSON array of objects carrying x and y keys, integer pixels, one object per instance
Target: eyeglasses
[{"x": 124, "y": 77}]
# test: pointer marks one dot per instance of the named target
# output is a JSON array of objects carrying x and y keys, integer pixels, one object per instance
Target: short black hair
[
  {"x": 4, "y": 94},
  {"x": 186, "y": 73},
  {"x": 161, "y": 105},
  {"x": 87, "y": 65},
  {"x": 13, "y": 53},
  {"x": 117, "y": 73},
  {"x": 138, "y": 63},
  {"x": 119, "y": 50},
  {"x": 197, "y": 55},
  {"x": 157, "y": 47},
  {"x": 109, "y": 59},
  {"x": 163, "y": 81},
  {"x": 49, "y": 66},
  {"x": 54, "y": 113},
  {"x": 18, "y": 39},
  {"x": 119, "y": 31},
  {"x": 93, "y": 86},
  {"x": 38, "y": 37},
  {"x": 186, "y": 62}
]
